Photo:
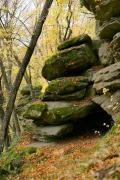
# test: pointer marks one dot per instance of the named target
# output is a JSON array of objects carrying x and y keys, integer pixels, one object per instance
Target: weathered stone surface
[
  {"x": 107, "y": 9},
  {"x": 90, "y": 72},
  {"x": 108, "y": 78},
  {"x": 109, "y": 102},
  {"x": 78, "y": 95},
  {"x": 109, "y": 52},
  {"x": 59, "y": 112},
  {"x": 76, "y": 41},
  {"x": 70, "y": 62},
  {"x": 35, "y": 110},
  {"x": 69, "y": 112},
  {"x": 108, "y": 29},
  {"x": 67, "y": 88},
  {"x": 115, "y": 47},
  {"x": 52, "y": 131},
  {"x": 25, "y": 91},
  {"x": 105, "y": 54},
  {"x": 81, "y": 114}
]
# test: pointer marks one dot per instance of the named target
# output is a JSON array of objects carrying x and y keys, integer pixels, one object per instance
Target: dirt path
[
  {"x": 63, "y": 160},
  {"x": 87, "y": 157}
]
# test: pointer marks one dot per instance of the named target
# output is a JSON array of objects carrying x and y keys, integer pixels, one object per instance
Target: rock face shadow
[{"x": 98, "y": 122}]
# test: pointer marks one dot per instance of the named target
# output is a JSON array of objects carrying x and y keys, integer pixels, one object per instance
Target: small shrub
[{"x": 12, "y": 160}]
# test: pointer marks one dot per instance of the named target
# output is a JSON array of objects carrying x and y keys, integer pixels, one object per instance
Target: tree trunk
[
  {"x": 20, "y": 74},
  {"x": 27, "y": 76},
  {"x": 8, "y": 86},
  {"x": 68, "y": 30}
]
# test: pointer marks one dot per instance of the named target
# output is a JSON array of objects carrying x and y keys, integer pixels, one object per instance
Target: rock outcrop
[
  {"x": 82, "y": 93},
  {"x": 107, "y": 80},
  {"x": 66, "y": 102},
  {"x": 107, "y": 15}
]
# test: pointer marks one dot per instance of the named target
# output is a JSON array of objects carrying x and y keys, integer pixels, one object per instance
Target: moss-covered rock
[
  {"x": 72, "y": 112},
  {"x": 76, "y": 41},
  {"x": 73, "y": 96},
  {"x": 70, "y": 62},
  {"x": 67, "y": 88},
  {"x": 35, "y": 110},
  {"x": 81, "y": 114}
]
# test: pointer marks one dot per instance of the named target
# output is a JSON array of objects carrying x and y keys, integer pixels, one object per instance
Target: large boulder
[
  {"x": 106, "y": 9},
  {"x": 72, "y": 112},
  {"x": 83, "y": 113},
  {"x": 70, "y": 62},
  {"x": 108, "y": 29},
  {"x": 76, "y": 41},
  {"x": 107, "y": 78},
  {"x": 105, "y": 54},
  {"x": 67, "y": 88}
]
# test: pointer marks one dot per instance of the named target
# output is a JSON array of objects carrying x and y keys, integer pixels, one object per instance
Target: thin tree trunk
[
  {"x": 20, "y": 74},
  {"x": 68, "y": 31},
  {"x": 8, "y": 85},
  {"x": 32, "y": 94},
  {"x": 1, "y": 103},
  {"x": 16, "y": 123},
  {"x": 27, "y": 77}
]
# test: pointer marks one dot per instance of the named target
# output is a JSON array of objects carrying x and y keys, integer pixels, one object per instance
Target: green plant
[{"x": 12, "y": 160}]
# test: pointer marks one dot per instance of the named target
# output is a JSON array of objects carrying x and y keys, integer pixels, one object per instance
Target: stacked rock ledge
[
  {"x": 70, "y": 62},
  {"x": 107, "y": 80},
  {"x": 82, "y": 94},
  {"x": 68, "y": 105}
]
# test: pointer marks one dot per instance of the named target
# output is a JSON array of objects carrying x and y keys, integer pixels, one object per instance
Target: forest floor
[{"x": 84, "y": 157}]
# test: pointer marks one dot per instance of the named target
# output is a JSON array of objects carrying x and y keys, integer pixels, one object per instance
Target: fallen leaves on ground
[{"x": 86, "y": 157}]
